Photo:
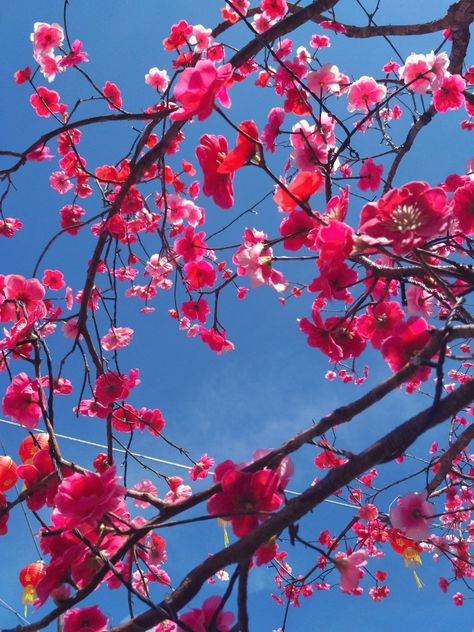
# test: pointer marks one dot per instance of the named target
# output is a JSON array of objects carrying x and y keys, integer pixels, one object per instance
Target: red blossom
[{"x": 211, "y": 152}]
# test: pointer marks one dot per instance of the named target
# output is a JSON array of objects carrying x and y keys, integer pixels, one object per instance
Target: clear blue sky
[{"x": 272, "y": 386}]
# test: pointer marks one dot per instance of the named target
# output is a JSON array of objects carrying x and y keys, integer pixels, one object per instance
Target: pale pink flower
[
  {"x": 178, "y": 492},
  {"x": 254, "y": 259},
  {"x": 276, "y": 117},
  {"x": 350, "y": 568},
  {"x": 116, "y": 338},
  {"x": 364, "y": 94},
  {"x": 157, "y": 79},
  {"x": 201, "y": 38},
  {"x": 144, "y": 486},
  {"x": 419, "y": 301},
  {"x": 424, "y": 72},
  {"x": 60, "y": 182},
  {"x": 324, "y": 80},
  {"x": 413, "y": 514}
]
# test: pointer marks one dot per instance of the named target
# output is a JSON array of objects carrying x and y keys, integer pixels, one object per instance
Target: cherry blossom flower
[
  {"x": 458, "y": 599},
  {"x": 407, "y": 340},
  {"x": 254, "y": 259},
  {"x": 111, "y": 387},
  {"x": 201, "y": 469},
  {"x": 413, "y": 514},
  {"x": 83, "y": 499},
  {"x": 199, "y": 274},
  {"x": 75, "y": 57},
  {"x": 147, "y": 487},
  {"x": 113, "y": 96},
  {"x": 45, "y": 102},
  {"x": 246, "y": 494},
  {"x": 364, "y": 94},
  {"x": 198, "y": 87},
  {"x": 9, "y": 226},
  {"x": 450, "y": 95},
  {"x": 88, "y": 619},
  {"x": 46, "y": 37},
  {"x": 463, "y": 207},
  {"x": 53, "y": 279},
  {"x": 324, "y": 80},
  {"x": 215, "y": 340},
  {"x": 246, "y": 148},
  {"x": 210, "y": 152},
  {"x": 196, "y": 310},
  {"x": 275, "y": 118},
  {"x": 25, "y": 297},
  {"x": 199, "y": 619},
  {"x": 178, "y": 492},
  {"x": 22, "y": 75},
  {"x": 157, "y": 79},
  {"x": 274, "y": 9},
  {"x": 370, "y": 176},
  {"x": 298, "y": 191},
  {"x": 116, "y": 338},
  {"x": 349, "y": 567},
  {"x": 424, "y": 72},
  {"x": 408, "y": 216},
  {"x": 60, "y": 182}
]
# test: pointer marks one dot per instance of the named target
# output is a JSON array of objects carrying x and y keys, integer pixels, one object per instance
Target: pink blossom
[
  {"x": 274, "y": 9},
  {"x": 22, "y": 75},
  {"x": 157, "y": 79},
  {"x": 111, "y": 387},
  {"x": 324, "y": 80},
  {"x": 39, "y": 154},
  {"x": 424, "y": 72},
  {"x": 419, "y": 301},
  {"x": 45, "y": 102},
  {"x": 60, "y": 182},
  {"x": 370, "y": 176},
  {"x": 75, "y": 57},
  {"x": 112, "y": 94},
  {"x": 53, "y": 279},
  {"x": 9, "y": 226},
  {"x": 25, "y": 296},
  {"x": 450, "y": 95},
  {"x": 320, "y": 41},
  {"x": 147, "y": 487},
  {"x": 413, "y": 514},
  {"x": 458, "y": 599},
  {"x": 46, "y": 37},
  {"x": 85, "y": 620},
  {"x": 198, "y": 87},
  {"x": 201, "y": 468},
  {"x": 83, "y": 499},
  {"x": 178, "y": 492},
  {"x": 198, "y": 619},
  {"x": 199, "y": 274},
  {"x": 116, "y": 338},
  {"x": 215, "y": 340},
  {"x": 276, "y": 116},
  {"x": 350, "y": 568},
  {"x": 254, "y": 258},
  {"x": 365, "y": 93}
]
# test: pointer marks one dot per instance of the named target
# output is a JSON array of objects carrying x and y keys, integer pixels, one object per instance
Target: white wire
[{"x": 162, "y": 461}]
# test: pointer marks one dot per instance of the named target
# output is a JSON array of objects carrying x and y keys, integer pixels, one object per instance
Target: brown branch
[{"x": 446, "y": 460}]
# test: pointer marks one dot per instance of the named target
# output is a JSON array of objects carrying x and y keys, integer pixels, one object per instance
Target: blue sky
[{"x": 272, "y": 386}]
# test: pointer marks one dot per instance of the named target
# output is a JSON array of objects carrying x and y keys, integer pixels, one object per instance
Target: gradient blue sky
[{"x": 272, "y": 386}]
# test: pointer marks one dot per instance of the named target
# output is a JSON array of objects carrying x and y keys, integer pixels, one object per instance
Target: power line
[{"x": 154, "y": 459}]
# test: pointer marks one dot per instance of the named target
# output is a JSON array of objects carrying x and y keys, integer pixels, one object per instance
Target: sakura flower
[
  {"x": 85, "y": 619},
  {"x": 324, "y": 80},
  {"x": 276, "y": 116},
  {"x": 60, "y": 182},
  {"x": 83, "y": 499},
  {"x": 9, "y": 226},
  {"x": 450, "y": 95},
  {"x": 349, "y": 567},
  {"x": 196, "y": 310},
  {"x": 274, "y": 9},
  {"x": 370, "y": 176},
  {"x": 364, "y": 94},
  {"x": 215, "y": 340},
  {"x": 424, "y": 72},
  {"x": 112, "y": 94},
  {"x": 199, "y": 274},
  {"x": 178, "y": 492},
  {"x": 408, "y": 216},
  {"x": 246, "y": 494},
  {"x": 116, "y": 338},
  {"x": 147, "y": 487},
  {"x": 111, "y": 387},
  {"x": 53, "y": 279},
  {"x": 201, "y": 468},
  {"x": 210, "y": 152},
  {"x": 413, "y": 514},
  {"x": 157, "y": 79},
  {"x": 46, "y": 37},
  {"x": 199, "y": 619},
  {"x": 75, "y": 57},
  {"x": 407, "y": 340},
  {"x": 45, "y": 102},
  {"x": 22, "y": 75},
  {"x": 254, "y": 258},
  {"x": 463, "y": 207},
  {"x": 198, "y": 87}
]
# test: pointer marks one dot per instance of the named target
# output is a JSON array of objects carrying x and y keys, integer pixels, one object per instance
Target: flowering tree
[{"x": 380, "y": 265}]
